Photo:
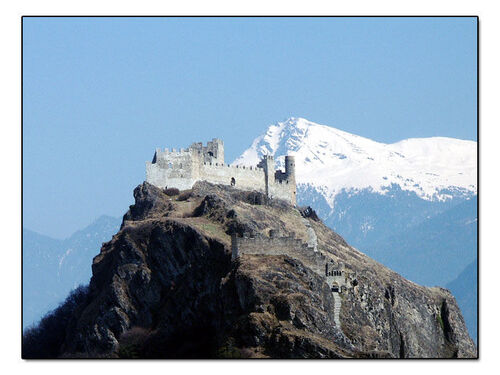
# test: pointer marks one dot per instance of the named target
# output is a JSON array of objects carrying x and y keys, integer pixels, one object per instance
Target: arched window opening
[{"x": 233, "y": 181}]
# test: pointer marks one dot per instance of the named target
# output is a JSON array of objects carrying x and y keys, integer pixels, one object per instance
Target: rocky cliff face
[{"x": 165, "y": 287}]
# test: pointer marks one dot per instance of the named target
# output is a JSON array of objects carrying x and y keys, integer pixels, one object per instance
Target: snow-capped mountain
[
  {"x": 371, "y": 192},
  {"x": 331, "y": 161}
]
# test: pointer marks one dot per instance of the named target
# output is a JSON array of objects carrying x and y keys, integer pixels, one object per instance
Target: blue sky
[{"x": 101, "y": 94}]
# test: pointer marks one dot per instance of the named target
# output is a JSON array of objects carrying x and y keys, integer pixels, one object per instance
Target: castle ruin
[
  {"x": 338, "y": 280},
  {"x": 181, "y": 169}
]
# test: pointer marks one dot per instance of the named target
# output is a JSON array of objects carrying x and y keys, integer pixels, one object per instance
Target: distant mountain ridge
[
  {"x": 464, "y": 289},
  {"x": 450, "y": 236},
  {"x": 52, "y": 267},
  {"x": 370, "y": 192},
  {"x": 367, "y": 190},
  {"x": 332, "y": 161}
]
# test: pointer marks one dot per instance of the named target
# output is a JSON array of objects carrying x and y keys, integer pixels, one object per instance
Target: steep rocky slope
[
  {"x": 410, "y": 205},
  {"x": 166, "y": 286}
]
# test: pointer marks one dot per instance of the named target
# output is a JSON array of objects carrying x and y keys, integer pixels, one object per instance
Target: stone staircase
[
  {"x": 307, "y": 253},
  {"x": 312, "y": 243},
  {"x": 336, "y": 309}
]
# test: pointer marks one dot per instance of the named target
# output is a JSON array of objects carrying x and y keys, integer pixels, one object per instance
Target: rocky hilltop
[{"x": 167, "y": 286}]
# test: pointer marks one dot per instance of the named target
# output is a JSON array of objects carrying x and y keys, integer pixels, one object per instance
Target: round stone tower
[
  {"x": 290, "y": 167},
  {"x": 290, "y": 175}
]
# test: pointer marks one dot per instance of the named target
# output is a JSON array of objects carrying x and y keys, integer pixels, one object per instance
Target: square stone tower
[
  {"x": 267, "y": 163},
  {"x": 213, "y": 152}
]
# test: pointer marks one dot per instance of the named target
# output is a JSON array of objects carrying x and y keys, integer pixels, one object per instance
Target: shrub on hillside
[
  {"x": 184, "y": 196},
  {"x": 44, "y": 340},
  {"x": 171, "y": 191},
  {"x": 132, "y": 342}
]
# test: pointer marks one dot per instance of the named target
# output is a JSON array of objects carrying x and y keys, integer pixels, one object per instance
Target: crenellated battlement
[
  {"x": 335, "y": 275},
  {"x": 181, "y": 168},
  {"x": 173, "y": 151},
  {"x": 258, "y": 244},
  {"x": 240, "y": 167},
  {"x": 282, "y": 181}
]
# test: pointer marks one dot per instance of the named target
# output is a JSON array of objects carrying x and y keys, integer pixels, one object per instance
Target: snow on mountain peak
[{"x": 332, "y": 160}]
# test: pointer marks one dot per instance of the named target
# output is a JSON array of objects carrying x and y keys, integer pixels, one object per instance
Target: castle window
[
  {"x": 233, "y": 181},
  {"x": 210, "y": 153}
]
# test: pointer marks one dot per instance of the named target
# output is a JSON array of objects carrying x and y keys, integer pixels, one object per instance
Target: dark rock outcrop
[{"x": 165, "y": 287}]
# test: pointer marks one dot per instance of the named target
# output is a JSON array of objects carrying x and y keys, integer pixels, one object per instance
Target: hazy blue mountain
[
  {"x": 41, "y": 256},
  {"x": 364, "y": 217},
  {"x": 52, "y": 268},
  {"x": 464, "y": 288},
  {"x": 434, "y": 251}
]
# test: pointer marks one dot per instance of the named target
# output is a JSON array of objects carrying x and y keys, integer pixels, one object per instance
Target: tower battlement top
[{"x": 181, "y": 168}]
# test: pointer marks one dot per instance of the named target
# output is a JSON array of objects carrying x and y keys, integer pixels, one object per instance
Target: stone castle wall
[
  {"x": 282, "y": 189},
  {"x": 335, "y": 276},
  {"x": 181, "y": 169},
  {"x": 291, "y": 246},
  {"x": 262, "y": 245},
  {"x": 246, "y": 178}
]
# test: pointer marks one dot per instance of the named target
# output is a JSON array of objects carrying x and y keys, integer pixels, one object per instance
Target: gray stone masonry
[
  {"x": 181, "y": 169},
  {"x": 336, "y": 309},
  {"x": 335, "y": 275},
  {"x": 262, "y": 245}
]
